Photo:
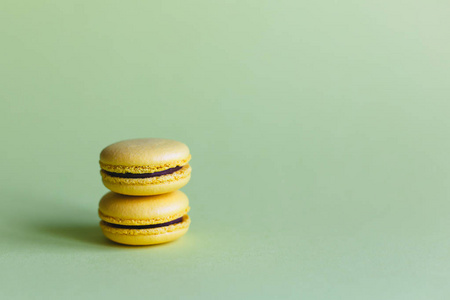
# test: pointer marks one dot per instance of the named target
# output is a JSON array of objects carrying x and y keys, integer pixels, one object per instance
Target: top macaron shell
[
  {"x": 155, "y": 154},
  {"x": 145, "y": 156}
]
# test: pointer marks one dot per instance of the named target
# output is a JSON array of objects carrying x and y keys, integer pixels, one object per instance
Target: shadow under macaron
[
  {"x": 83, "y": 233},
  {"x": 87, "y": 236},
  {"x": 53, "y": 226}
]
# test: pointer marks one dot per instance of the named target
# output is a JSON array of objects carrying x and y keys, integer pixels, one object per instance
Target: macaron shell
[
  {"x": 146, "y": 236},
  {"x": 136, "y": 211},
  {"x": 145, "y": 152},
  {"x": 146, "y": 190},
  {"x": 148, "y": 186}
]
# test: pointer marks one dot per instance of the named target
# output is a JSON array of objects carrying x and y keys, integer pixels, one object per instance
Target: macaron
[
  {"x": 144, "y": 220},
  {"x": 142, "y": 167}
]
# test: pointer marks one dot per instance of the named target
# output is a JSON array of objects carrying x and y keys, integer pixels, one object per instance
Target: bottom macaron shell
[
  {"x": 142, "y": 237},
  {"x": 146, "y": 190}
]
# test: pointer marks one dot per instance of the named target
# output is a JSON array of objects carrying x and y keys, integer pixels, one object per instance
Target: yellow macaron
[
  {"x": 144, "y": 220},
  {"x": 143, "y": 167}
]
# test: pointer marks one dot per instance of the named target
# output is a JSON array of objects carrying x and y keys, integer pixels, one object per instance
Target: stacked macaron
[{"x": 145, "y": 206}]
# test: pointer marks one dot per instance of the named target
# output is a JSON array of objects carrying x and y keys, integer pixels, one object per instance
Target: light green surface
[{"x": 319, "y": 132}]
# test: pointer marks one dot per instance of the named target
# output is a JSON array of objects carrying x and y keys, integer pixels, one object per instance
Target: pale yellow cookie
[
  {"x": 143, "y": 167},
  {"x": 144, "y": 220}
]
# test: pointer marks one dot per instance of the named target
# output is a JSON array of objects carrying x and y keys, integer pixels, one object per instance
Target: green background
[{"x": 319, "y": 132}]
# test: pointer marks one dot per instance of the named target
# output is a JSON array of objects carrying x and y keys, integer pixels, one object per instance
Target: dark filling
[
  {"x": 144, "y": 175},
  {"x": 179, "y": 220}
]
